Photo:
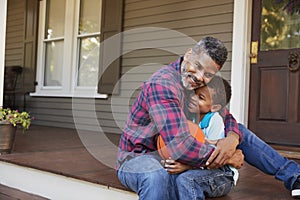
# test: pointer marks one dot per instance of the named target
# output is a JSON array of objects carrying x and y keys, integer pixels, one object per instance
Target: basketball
[{"x": 195, "y": 130}]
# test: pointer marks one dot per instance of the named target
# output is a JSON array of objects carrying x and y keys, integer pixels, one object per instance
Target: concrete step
[{"x": 57, "y": 187}]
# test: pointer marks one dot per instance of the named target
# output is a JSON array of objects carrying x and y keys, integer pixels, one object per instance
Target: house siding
[
  {"x": 14, "y": 33},
  {"x": 196, "y": 19}
]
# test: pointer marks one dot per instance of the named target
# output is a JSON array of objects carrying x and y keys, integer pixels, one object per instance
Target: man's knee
[{"x": 155, "y": 178}]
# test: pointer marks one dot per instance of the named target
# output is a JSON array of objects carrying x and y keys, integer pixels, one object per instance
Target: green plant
[{"x": 15, "y": 118}]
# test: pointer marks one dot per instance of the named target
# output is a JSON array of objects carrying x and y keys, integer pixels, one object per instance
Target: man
[{"x": 159, "y": 109}]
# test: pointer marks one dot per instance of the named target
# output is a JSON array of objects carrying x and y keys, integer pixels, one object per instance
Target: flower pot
[{"x": 7, "y": 137}]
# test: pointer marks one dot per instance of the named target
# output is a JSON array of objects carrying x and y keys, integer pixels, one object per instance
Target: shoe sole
[{"x": 296, "y": 194}]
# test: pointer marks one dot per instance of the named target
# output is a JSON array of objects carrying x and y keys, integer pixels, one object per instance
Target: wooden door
[{"x": 274, "y": 108}]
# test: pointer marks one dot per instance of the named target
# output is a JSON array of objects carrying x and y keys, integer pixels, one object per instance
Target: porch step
[
  {"x": 291, "y": 152},
  {"x": 7, "y": 193},
  {"x": 56, "y": 187}
]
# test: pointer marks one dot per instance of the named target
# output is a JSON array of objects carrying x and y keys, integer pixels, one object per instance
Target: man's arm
[{"x": 167, "y": 113}]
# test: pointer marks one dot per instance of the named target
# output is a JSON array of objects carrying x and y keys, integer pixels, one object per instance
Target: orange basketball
[{"x": 195, "y": 130}]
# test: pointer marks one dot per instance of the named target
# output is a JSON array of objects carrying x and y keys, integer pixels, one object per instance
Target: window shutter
[
  {"x": 111, "y": 24},
  {"x": 30, "y": 41}
]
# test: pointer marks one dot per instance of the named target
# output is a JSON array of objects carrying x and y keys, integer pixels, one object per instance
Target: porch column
[
  {"x": 3, "y": 10},
  {"x": 240, "y": 60}
]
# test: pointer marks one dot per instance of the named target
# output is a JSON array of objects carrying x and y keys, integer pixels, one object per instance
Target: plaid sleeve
[
  {"x": 165, "y": 109},
  {"x": 230, "y": 123}
]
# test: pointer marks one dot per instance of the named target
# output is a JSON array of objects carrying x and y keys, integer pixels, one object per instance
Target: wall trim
[
  {"x": 240, "y": 60},
  {"x": 3, "y": 11}
]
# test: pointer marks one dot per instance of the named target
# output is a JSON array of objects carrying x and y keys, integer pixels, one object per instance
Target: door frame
[
  {"x": 240, "y": 70},
  {"x": 3, "y": 11}
]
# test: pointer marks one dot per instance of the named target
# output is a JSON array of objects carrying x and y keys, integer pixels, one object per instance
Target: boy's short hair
[{"x": 222, "y": 90}]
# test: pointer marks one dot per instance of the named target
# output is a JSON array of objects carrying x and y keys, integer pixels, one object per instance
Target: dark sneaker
[{"x": 296, "y": 189}]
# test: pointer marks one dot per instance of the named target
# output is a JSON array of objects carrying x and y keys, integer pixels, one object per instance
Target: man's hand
[
  {"x": 237, "y": 160},
  {"x": 194, "y": 103},
  {"x": 224, "y": 151}
]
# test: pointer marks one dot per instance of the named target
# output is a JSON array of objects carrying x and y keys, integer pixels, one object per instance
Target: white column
[
  {"x": 240, "y": 60},
  {"x": 3, "y": 11}
]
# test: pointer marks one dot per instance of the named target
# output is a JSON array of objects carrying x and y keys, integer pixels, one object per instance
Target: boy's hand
[
  {"x": 237, "y": 160},
  {"x": 174, "y": 167}
]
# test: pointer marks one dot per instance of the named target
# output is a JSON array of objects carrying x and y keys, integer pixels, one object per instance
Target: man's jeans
[
  {"x": 146, "y": 176},
  {"x": 266, "y": 159}
]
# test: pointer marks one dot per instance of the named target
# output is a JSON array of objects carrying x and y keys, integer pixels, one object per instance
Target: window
[{"x": 69, "y": 46}]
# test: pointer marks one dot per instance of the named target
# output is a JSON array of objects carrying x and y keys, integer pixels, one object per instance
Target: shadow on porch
[{"x": 61, "y": 151}]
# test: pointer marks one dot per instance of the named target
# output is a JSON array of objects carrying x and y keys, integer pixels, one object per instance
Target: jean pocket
[{"x": 220, "y": 185}]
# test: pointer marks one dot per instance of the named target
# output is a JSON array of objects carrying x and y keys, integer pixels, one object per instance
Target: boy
[{"x": 206, "y": 103}]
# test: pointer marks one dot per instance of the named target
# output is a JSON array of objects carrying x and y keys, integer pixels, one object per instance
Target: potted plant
[{"x": 9, "y": 120}]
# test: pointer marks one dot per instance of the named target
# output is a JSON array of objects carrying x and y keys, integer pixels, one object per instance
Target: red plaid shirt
[{"x": 159, "y": 109}]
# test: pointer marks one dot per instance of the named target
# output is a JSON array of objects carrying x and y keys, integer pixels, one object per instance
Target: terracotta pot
[{"x": 7, "y": 138}]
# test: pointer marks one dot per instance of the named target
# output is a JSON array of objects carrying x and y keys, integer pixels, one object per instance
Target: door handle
[
  {"x": 294, "y": 61},
  {"x": 254, "y": 52}
]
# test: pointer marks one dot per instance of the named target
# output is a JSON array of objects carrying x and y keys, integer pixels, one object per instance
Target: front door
[{"x": 274, "y": 107}]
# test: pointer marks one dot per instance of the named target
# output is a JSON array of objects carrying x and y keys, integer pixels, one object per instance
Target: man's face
[{"x": 197, "y": 70}]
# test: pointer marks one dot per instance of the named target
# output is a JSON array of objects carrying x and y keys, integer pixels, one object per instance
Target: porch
[{"x": 54, "y": 163}]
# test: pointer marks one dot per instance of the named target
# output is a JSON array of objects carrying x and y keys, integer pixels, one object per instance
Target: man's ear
[
  {"x": 187, "y": 54},
  {"x": 216, "y": 108}
]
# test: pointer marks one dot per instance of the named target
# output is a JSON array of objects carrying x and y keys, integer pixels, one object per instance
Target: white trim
[
  {"x": 57, "y": 187},
  {"x": 240, "y": 60},
  {"x": 3, "y": 11},
  {"x": 40, "y": 48},
  {"x": 79, "y": 95}
]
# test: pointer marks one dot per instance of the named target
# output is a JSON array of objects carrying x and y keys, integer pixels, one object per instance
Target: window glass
[
  {"x": 53, "y": 63},
  {"x": 89, "y": 43},
  {"x": 88, "y": 61},
  {"x": 55, "y": 19},
  {"x": 90, "y": 14},
  {"x": 280, "y": 26}
]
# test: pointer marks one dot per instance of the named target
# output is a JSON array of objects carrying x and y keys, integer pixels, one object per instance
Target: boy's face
[
  {"x": 197, "y": 70},
  {"x": 202, "y": 101}
]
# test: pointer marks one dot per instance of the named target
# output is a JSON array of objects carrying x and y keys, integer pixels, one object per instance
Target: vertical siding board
[{"x": 195, "y": 18}]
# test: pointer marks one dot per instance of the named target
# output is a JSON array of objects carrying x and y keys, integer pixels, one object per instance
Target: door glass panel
[{"x": 280, "y": 26}]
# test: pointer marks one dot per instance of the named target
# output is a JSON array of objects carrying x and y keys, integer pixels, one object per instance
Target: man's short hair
[{"x": 212, "y": 47}]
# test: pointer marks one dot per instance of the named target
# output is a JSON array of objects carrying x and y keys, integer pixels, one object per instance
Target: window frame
[{"x": 69, "y": 86}]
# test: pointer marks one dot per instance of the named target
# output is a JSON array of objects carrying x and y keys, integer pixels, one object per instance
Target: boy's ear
[{"x": 216, "y": 108}]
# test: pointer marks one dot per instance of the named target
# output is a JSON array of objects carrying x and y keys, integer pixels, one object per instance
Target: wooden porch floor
[{"x": 61, "y": 151}]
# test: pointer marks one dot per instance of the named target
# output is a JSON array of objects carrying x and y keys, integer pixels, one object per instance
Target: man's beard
[{"x": 185, "y": 76}]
